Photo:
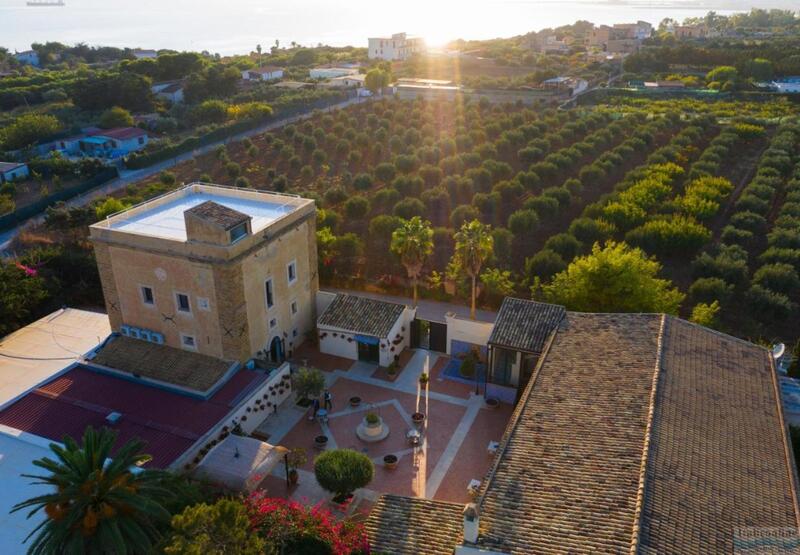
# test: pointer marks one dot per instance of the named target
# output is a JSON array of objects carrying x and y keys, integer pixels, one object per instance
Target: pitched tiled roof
[
  {"x": 123, "y": 133},
  {"x": 361, "y": 315},
  {"x": 525, "y": 325},
  {"x": 718, "y": 460},
  {"x": 643, "y": 433},
  {"x": 217, "y": 214},
  {"x": 168, "y": 422},
  {"x": 161, "y": 362},
  {"x": 400, "y": 525},
  {"x": 567, "y": 477}
]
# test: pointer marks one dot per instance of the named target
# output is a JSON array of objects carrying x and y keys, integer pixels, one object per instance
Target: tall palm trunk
[
  {"x": 414, "y": 287},
  {"x": 472, "y": 308}
]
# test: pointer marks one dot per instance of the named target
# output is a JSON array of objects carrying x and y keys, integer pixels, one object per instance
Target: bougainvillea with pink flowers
[{"x": 288, "y": 525}]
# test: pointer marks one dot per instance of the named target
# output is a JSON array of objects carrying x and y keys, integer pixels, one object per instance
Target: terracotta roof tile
[
  {"x": 361, "y": 315},
  {"x": 400, "y": 525},
  {"x": 525, "y": 325},
  {"x": 219, "y": 215}
]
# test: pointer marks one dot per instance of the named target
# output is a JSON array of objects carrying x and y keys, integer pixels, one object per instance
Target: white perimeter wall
[
  {"x": 337, "y": 346},
  {"x": 468, "y": 331}
]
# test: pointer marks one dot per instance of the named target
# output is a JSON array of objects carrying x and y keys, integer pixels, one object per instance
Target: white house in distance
[
  {"x": 787, "y": 85},
  {"x": 169, "y": 90},
  {"x": 28, "y": 57},
  {"x": 266, "y": 73},
  {"x": 139, "y": 54},
  {"x": 327, "y": 72},
  {"x": 12, "y": 171},
  {"x": 397, "y": 47},
  {"x": 364, "y": 329},
  {"x": 347, "y": 81},
  {"x": 114, "y": 143}
]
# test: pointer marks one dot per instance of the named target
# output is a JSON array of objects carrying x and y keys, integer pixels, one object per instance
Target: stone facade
[{"x": 148, "y": 281}]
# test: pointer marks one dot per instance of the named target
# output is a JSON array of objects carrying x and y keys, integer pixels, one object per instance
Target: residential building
[
  {"x": 360, "y": 328},
  {"x": 635, "y": 433},
  {"x": 398, "y": 47},
  {"x": 623, "y": 46},
  {"x": 787, "y": 85},
  {"x": 690, "y": 31},
  {"x": 28, "y": 57},
  {"x": 148, "y": 54},
  {"x": 228, "y": 273},
  {"x": 329, "y": 72},
  {"x": 640, "y": 30},
  {"x": 113, "y": 143},
  {"x": 346, "y": 81},
  {"x": 169, "y": 90},
  {"x": 266, "y": 73},
  {"x": 13, "y": 171}
]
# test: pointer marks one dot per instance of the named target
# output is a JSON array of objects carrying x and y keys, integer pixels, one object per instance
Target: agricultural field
[{"x": 715, "y": 202}]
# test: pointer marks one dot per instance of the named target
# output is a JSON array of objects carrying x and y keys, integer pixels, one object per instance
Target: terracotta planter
[
  {"x": 492, "y": 403},
  {"x": 321, "y": 442},
  {"x": 418, "y": 419},
  {"x": 390, "y": 462},
  {"x": 355, "y": 401}
]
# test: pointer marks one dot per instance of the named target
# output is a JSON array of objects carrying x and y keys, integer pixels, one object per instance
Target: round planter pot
[
  {"x": 492, "y": 403},
  {"x": 390, "y": 462},
  {"x": 320, "y": 442},
  {"x": 355, "y": 401},
  {"x": 418, "y": 419}
]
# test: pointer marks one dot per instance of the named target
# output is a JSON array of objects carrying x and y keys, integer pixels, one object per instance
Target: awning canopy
[{"x": 240, "y": 463}]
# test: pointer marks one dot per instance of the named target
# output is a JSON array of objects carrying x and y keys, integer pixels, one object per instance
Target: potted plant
[
  {"x": 418, "y": 418},
  {"x": 321, "y": 441},
  {"x": 372, "y": 419},
  {"x": 342, "y": 471},
  {"x": 355, "y": 401},
  {"x": 423, "y": 379},
  {"x": 295, "y": 459},
  {"x": 390, "y": 461},
  {"x": 492, "y": 402}
]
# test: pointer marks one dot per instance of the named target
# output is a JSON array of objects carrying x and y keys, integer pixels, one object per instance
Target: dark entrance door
[
  {"x": 415, "y": 338},
  {"x": 276, "y": 350},
  {"x": 369, "y": 352},
  {"x": 438, "y": 337}
]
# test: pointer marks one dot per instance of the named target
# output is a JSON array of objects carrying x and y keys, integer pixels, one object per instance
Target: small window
[
  {"x": 291, "y": 271},
  {"x": 238, "y": 232},
  {"x": 273, "y": 323},
  {"x": 294, "y": 307},
  {"x": 294, "y": 332},
  {"x": 183, "y": 302},
  {"x": 188, "y": 341},
  {"x": 269, "y": 293},
  {"x": 147, "y": 296},
  {"x": 203, "y": 304}
]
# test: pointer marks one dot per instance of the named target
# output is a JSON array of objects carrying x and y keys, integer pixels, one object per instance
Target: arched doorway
[{"x": 276, "y": 350}]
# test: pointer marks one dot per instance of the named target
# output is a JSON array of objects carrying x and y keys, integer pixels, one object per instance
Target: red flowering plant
[{"x": 292, "y": 527}]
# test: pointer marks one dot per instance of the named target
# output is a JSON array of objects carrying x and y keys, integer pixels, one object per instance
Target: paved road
[{"x": 132, "y": 176}]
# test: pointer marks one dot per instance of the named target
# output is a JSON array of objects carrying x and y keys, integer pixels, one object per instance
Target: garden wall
[
  {"x": 249, "y": 413},
  {"x": 461, "y": 331}
]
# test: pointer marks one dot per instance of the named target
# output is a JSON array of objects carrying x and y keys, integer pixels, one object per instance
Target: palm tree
[
  {"x": 413, "y": 243},
  {"x": 99, "y": 505},
  {"x": 474, "y": 246}
]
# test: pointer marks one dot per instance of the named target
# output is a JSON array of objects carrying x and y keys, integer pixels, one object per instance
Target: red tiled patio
[{"x": 457, "y": 432}]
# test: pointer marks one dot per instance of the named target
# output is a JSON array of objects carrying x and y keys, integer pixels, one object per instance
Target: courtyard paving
[{"x": 458, "y": 430}]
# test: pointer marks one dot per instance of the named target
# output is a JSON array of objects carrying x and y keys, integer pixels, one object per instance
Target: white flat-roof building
[
  {"x": 398, "y": 47},
  {"x": 42, "y": 349},
  {"x": 788, "y": 85},
  {"x": 221, "y": 271},
  {"x": 18, "y": 450},
  {"x": 332, "y": 72}
]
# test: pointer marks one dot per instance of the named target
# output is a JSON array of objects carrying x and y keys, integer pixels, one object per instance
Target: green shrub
[
  {"x": 708, "y": 290},
  {"x": 342, "y": 471},
  {"x": 544, "y": 265}
]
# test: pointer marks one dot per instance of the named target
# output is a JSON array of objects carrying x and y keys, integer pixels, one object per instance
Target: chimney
[{"x": 471, "y": 523}]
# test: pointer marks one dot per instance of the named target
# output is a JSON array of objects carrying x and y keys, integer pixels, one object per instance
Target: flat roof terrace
[{"x": 163, "y": 217}]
